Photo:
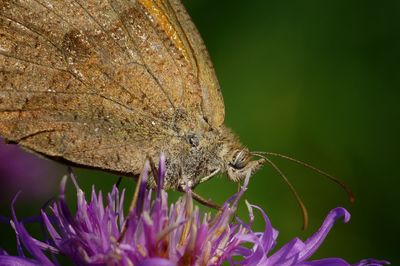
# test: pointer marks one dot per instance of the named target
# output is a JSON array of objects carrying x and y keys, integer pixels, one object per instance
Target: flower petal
[
  {"x": 142, "y": 189},
  {"x": 3, "y": 252},
  {"x": 29, "y": 242},
  {"x": 313, "y": 243},
  {"x": 371, "y": 262},
  {"x": 17, "y": 261},
  {"x": 325, "y": 262},
  {"x": 161, "y": 173},
  {"x": 156, "y": 262},
  {"x": 297, "y": 251}
]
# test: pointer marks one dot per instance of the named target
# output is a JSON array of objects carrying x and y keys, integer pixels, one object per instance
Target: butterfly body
[{"x": 106, "y": 83}]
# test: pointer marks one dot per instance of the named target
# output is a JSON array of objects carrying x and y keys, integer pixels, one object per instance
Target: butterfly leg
[
  {"x": 201, "y": 200},
  {"x": 205, "y": 202},
  {"x": 206, "y": 178}
]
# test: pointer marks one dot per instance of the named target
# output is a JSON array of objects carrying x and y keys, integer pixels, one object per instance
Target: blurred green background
[{"x": 316, "y": 80}]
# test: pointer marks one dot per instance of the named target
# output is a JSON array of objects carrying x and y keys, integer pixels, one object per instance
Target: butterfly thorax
[{"x": 197, "y": 152}]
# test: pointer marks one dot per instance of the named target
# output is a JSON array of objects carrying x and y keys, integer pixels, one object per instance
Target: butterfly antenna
[
  {"x": 348, "y": 190},
  {"x": 292, "y": 189}
]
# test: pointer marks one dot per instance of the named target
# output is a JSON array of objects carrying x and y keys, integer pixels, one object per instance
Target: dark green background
[{"x": 317, "y": 80}]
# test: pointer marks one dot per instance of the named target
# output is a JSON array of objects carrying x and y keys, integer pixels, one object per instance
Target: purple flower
[{"x": 154, "y": 233}]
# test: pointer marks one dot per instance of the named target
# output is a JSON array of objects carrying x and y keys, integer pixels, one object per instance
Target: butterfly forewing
[{"x": 99, "y": 83}]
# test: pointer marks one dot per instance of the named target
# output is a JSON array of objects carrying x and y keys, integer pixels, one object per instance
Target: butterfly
[{"x": 106, "y": 83}]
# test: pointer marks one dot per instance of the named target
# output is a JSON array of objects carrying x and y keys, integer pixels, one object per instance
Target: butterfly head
[
  {"x": 240, "y": 163},
  {"x": 237, "y": 160}
]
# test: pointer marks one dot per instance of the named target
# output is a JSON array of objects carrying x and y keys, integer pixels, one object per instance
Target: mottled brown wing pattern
[{"x": 98, "y": 82}]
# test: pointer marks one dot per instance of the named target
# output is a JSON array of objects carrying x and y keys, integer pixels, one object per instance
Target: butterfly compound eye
[{"x": 240, "y": 159}]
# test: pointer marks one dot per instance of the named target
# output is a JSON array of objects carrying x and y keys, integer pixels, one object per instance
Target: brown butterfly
[{"x": 105, "y": 83}]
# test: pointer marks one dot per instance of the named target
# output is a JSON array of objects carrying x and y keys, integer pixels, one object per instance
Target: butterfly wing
[
  {"x": 171, "y": 14},
  {"x": 199, "y": 90},
  {"x": 97, "y": 82}
]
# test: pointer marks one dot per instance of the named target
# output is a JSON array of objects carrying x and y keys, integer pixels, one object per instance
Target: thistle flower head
[{"x": 155, "y": 233}]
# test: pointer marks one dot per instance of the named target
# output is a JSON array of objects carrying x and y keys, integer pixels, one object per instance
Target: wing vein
[
  {"x": 118, "y": 145},
  {"x": 58, "y": 109},
  {"x": 186, "y": 38},
  {"x": 166, "y": 48},
  {"x": 102, "y": 71},
  {"x": 94, "y": 44},
  {"x": 63, "y": 52},
  {"x": 106, "y": 32},
  {"x": 33, "y": 63},
  {"x": 31, "y": 135},
  {"x": 66, "y": 121},
  {"x": 144, "y": 62},
  {"x": 44, "y": 66}
]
